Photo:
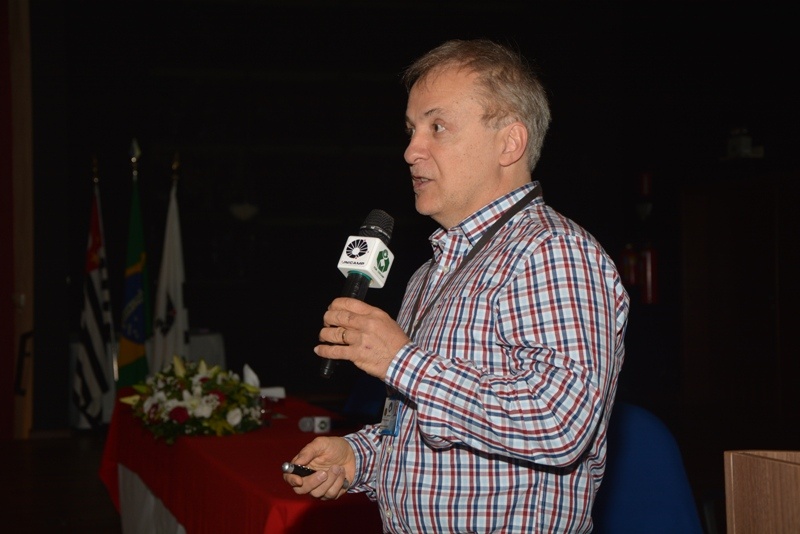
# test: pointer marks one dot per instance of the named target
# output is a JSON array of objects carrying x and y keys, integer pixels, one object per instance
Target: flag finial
[
  {"x": 135, "y": 153},
  {"x": 135, "y": 150},
  {"x": 176, "y": 164},
  {"x": 95, "y": 175}
]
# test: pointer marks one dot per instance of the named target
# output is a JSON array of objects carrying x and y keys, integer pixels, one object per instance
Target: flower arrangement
[{"x": 189, "y": 398}]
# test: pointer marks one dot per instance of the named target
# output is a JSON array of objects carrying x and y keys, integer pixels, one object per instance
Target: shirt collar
[{"x": 465, "y": 234}]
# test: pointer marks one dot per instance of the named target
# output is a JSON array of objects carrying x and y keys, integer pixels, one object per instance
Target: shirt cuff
[
  {"x": 408, "y": 368},
  {"x": 364, "y": 444}
]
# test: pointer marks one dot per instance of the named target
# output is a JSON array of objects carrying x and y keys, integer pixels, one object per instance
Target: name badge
[{"x": 389, "y": 421}]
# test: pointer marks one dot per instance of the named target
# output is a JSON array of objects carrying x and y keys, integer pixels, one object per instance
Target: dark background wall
[{"x": 296, "y": 108}]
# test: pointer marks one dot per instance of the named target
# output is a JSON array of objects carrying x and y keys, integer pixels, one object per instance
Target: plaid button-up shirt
[{"x": 507, "y": 384}]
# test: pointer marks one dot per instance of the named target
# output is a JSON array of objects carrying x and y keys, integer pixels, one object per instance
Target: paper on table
[{"x": 274, "y": 393}]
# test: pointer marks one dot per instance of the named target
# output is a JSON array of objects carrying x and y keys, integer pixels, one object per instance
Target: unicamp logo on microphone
[
  {"x": 367, "y": 256},
  {"x": 356, "y": 248}
]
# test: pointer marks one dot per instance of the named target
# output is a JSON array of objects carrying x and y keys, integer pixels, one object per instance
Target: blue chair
[
  {"x": 365, "y": 402},
  {"x": 645, "y": 489}
]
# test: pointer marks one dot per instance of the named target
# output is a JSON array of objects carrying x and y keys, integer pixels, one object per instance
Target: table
[{"x": 221, "y": 484}]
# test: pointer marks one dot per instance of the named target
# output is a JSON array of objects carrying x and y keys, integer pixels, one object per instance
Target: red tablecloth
[{"x": 232, "y": 483}]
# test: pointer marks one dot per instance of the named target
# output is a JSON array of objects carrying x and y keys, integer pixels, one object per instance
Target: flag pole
[
  {"x": 171, "y": 325},
  {"x": 136, "y": 327},
  {"x": 109, "y": 398},
  {"x": 113, "y": 339},
  {"x": 93, "y": 388}
]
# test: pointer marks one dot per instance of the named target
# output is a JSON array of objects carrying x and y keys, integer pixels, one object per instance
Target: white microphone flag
[{"x": 368, "y": 256}]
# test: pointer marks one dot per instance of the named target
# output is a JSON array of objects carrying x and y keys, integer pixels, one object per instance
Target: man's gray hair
[{"x": 509, "y": 87}]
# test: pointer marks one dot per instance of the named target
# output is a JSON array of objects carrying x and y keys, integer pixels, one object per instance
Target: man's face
[{"x": 453, "y": 156}]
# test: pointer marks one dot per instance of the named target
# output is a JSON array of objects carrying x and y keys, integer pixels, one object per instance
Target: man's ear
[{"x": 515, "y": 140}]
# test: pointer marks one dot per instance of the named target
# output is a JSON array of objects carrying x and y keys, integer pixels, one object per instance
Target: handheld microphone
[{"x": 365, "y": 261}]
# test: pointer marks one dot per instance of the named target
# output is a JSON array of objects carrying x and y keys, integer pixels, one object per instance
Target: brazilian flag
[{"x": 137, "y": 324}]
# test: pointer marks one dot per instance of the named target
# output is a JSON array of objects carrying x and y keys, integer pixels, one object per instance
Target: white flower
[
  {"x": 157, "y": 398},
  {"x": 250, "y": 377},
  {"x": 206, "y": 406},
  {"x": 190, "y": 400},
  {"x": 234, "y": 416}
]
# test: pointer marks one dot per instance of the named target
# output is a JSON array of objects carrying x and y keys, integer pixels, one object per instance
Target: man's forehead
[
  {"x": 441, "y": 93},
  {"x": 447, "y": 69}
]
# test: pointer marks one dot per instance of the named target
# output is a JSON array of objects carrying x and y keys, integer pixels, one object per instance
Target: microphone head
[{"x": 378, "y": 224}]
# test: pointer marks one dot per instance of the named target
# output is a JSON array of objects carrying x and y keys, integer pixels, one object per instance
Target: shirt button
[{"x": 388, "y": 512}]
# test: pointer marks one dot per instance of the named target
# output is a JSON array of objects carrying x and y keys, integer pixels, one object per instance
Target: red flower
[
  {"x": 179, "y": 414},
  {"x": 219, "y": 395}
]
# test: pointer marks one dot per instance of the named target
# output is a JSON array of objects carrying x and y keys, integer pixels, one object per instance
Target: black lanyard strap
[{"x": 513, "y": 210}]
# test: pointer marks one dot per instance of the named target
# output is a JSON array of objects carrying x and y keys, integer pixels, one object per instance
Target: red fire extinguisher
[
  {"x": 648, "y": 273},
  {"x": 629, "y": 265}
]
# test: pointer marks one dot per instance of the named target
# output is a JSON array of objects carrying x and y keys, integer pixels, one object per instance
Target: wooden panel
[
  {"x": 729, "y": 288},
  {"x": 739, "y": 293},
  {"x": 762, "y": 491},
  {"x": 16, "y": 272}
]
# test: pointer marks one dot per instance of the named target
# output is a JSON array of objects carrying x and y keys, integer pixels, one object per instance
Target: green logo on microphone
[{"x": 382, "y": 261}]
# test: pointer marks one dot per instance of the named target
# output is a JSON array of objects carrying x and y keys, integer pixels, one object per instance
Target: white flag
[{"x": 171, "y": 319}]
